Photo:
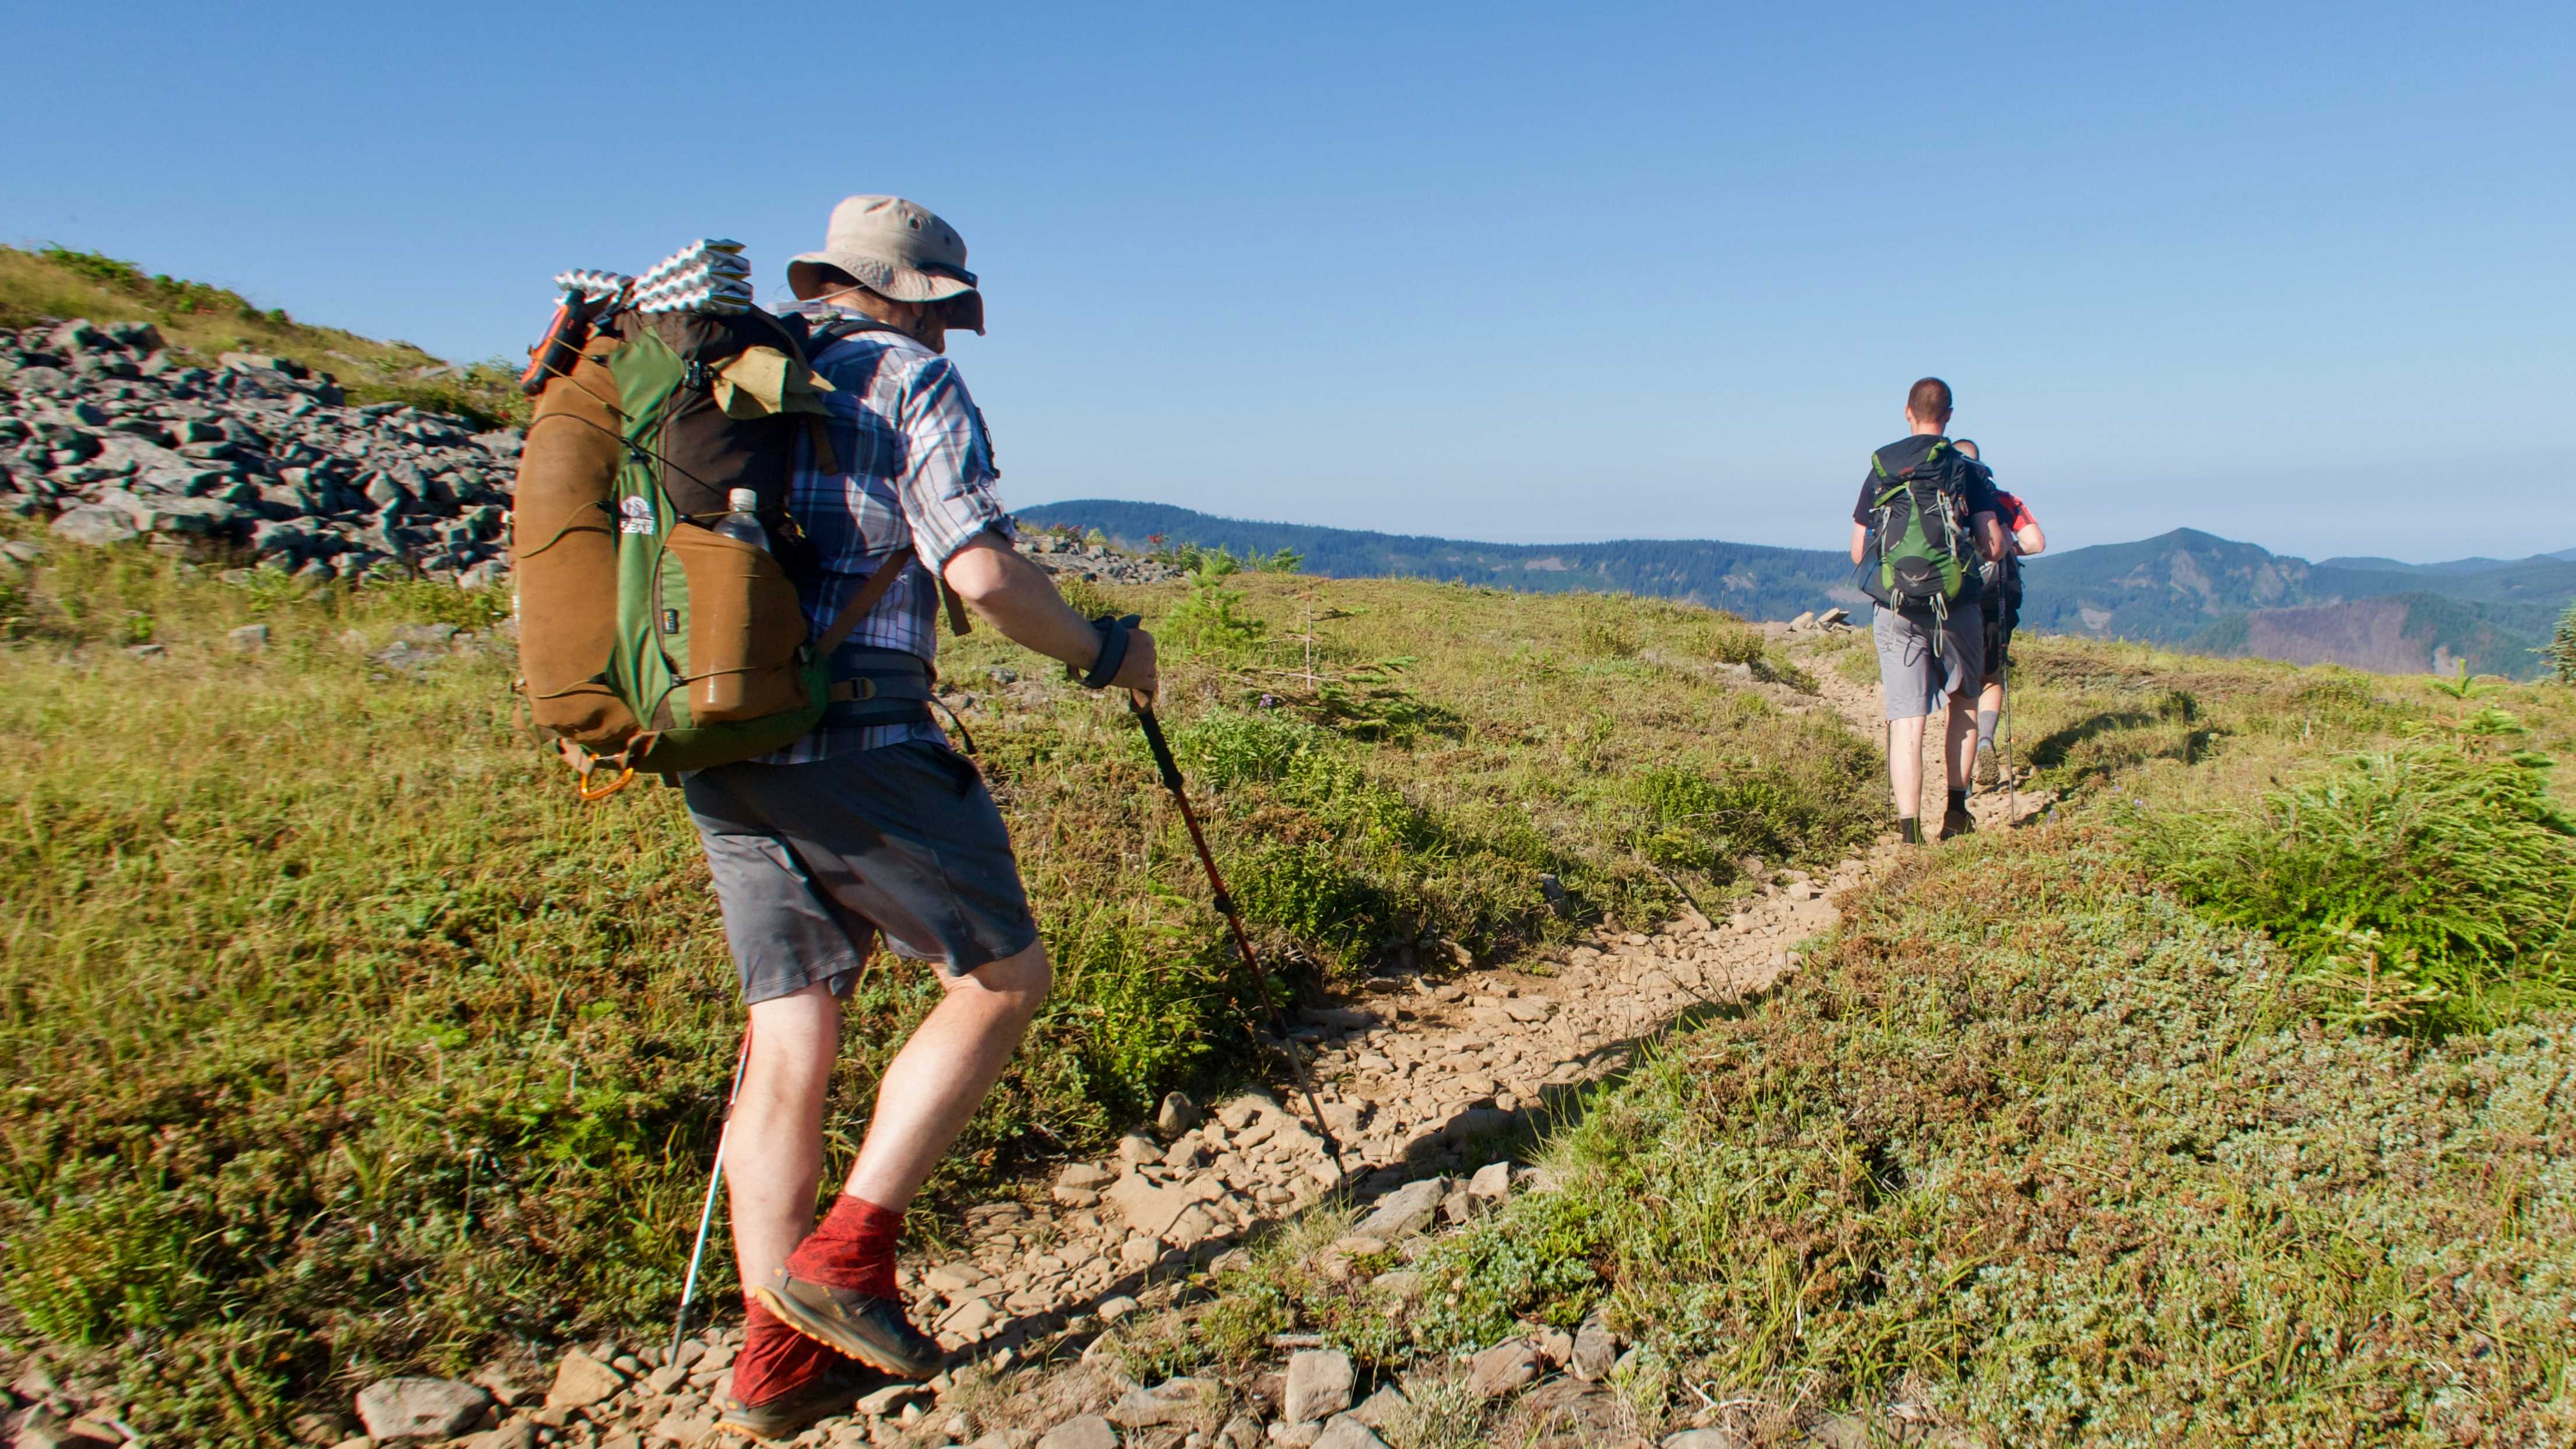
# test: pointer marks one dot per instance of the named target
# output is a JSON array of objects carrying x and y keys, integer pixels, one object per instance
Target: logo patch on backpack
[{"x": 639, "y": 514}]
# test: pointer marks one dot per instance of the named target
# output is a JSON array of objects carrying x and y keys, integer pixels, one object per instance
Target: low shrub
[
  {"x": 1212, "y": 620},
  {"x": 2560, "y": 651},
  {"x": 2426, "y": 885}
]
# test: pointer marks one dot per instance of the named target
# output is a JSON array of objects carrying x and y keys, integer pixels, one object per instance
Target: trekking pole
[
  {"x": 2012, "y": 784},
  {"x": 707, "y": 1209},
  {"x": 1171, "y": 771}
]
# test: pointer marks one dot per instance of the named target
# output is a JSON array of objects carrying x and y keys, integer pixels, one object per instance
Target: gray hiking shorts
[
  {"x": 812, "y": 861},
  {"x": 1913, "y": 676}
]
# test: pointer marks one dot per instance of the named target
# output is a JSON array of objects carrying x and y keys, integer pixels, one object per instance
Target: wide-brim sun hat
[{"x": 894, "y": 248}]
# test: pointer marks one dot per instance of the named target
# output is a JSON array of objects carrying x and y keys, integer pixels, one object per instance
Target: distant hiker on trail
[
  {"x": 1924, "y": 524},
  {"x": 2022, "y": 538},
  {"x": 870, "y": 825}
]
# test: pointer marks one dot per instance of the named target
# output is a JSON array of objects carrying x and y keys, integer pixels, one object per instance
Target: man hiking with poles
[
  {"x": 1924, "y": 525},
  {"x": 2022, "y": 538},
  {"x": 871, "y": 826}
]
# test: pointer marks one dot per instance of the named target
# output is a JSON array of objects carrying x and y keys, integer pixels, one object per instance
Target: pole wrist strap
[{"x": 1113, "y": 649}]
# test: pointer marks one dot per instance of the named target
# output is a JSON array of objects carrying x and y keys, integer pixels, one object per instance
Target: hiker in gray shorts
[
  {"x": 1927, "y": 658},
  {"x": 871, "y": 828}
]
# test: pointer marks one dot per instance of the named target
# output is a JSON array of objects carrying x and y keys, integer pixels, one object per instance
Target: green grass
[
  {"x": 342, "y": 1039},
  {"x": 2035, "y": 1141},
  {"x": 204, "y": 321},
  {"x": 2428, "y": 885},
  {"x": 2046, "y": 1151}
]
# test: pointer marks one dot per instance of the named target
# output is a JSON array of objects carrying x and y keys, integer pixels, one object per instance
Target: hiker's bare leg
[
  {"x": 774, "y": 1151},
  {"x": 1905, "y": 765},
  {"x": 940, "y": 1077},
  {"x": 1960, "y": 747},
  {"x": 1990, "y": 700}
]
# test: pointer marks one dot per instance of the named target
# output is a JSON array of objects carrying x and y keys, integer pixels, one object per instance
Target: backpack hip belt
[{"x": 878, "y": 687}]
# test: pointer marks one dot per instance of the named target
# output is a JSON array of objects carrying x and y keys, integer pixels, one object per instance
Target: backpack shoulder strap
[{"x": 864, "y": 602}]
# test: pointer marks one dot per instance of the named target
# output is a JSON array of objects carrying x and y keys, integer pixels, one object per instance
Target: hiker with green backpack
[
  {"x": 735, "y": 534},
  {"x": 1924, "y": 525}
]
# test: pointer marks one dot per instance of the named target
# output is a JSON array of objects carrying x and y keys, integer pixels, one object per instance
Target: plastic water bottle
[
  {"x": 742, "y": 525},
  {"x": 721, "y": 694}
]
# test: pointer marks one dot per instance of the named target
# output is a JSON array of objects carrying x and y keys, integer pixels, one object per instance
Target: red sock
[
  {"x": 853, "y": 1247},
  {"x": 775, "y": 1358}
]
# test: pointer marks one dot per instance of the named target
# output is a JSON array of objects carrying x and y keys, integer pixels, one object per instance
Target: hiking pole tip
[{"x": 707, "y": 1208}]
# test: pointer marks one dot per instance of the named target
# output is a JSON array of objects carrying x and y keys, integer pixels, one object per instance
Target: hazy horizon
[{"x": 1572, "y": 540}]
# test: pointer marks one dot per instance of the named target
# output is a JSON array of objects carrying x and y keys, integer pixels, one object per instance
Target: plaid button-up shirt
[{"x": 916, "y": 469}]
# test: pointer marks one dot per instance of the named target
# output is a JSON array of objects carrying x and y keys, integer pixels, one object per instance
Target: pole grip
[{"x": 1161, "y": 747}]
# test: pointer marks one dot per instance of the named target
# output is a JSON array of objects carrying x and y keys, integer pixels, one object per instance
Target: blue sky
[{"x": 2298, "y": 274}]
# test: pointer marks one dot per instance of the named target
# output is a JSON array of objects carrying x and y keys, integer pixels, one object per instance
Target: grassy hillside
[
  {"x": 2155, "y": 1122},
  {"x": 341, "y": 1038},
  {"x": 195, "y": 317}
]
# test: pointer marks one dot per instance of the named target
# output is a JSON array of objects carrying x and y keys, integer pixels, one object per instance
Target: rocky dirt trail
[{"x": 1424, "y": 1084}]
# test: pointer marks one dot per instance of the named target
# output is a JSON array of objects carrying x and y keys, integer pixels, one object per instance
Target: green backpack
[
  {"x": 651, "y": 641},
  {"x": 1925, "y": 558}
]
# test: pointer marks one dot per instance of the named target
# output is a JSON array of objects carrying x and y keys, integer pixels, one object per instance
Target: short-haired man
[
  {"x": 870, "y": 826},
  {"x": 1927, "y": 658},
  {"x": 2022, "y": 537}
]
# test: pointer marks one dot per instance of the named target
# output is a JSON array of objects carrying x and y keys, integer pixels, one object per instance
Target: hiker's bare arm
[
  {"x": 2030, "y": 539},
  {"x": 1990, "y": 536},
  {"x": 1860, "y": 541},
  {"x": 1016, "y": 597}
]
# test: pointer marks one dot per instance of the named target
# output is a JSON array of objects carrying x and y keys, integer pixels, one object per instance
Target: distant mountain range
[
  {"x": 1748, "y": 579},
  {"x": 2185, "y": 589}
]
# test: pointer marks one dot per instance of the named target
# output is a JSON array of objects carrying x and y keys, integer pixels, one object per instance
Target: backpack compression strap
[{"x": 865, "y": 601}]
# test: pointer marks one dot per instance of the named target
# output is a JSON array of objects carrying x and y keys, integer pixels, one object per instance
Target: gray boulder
[
  {"x": 1174, "y": 1401},
  {"x": 135, "y": 337},
  {"x": 1406, "y": 1211},
  {"x": 77, "y": 335},
  {"x": 1318, "y": 1385},
  {"x": 95, "y": 526},
  {"x": 1507, "y": 1367},
  {"x": 1088, "y": 1431},
  {"x": 1347, "y": 1432},
  {"x": 421, "y": 1408}
]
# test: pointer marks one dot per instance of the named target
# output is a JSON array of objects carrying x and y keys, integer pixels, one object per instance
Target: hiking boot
[
  {"x": 1990, "y": 771},
  {"x": 790, "y": 1412},
  {"x": 870, "y": 1329},
  {"x": 1956, "y": 822}
]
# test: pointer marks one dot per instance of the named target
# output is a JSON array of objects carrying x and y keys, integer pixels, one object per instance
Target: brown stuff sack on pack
[
  {"x": 563, "y": 543},
  {"x": 746, "y": 630}
]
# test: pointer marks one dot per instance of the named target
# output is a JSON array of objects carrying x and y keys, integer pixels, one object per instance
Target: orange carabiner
[{"x": 584, "y": 765}]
